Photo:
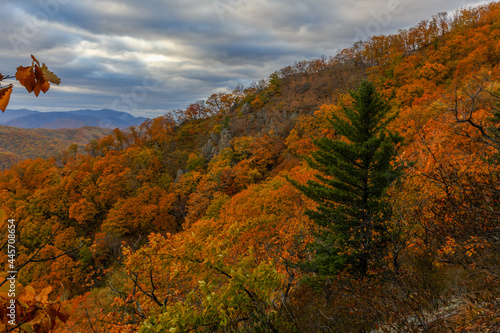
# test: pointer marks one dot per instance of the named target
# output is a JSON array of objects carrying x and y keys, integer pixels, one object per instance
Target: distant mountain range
[{"x": 104, "y": 118}]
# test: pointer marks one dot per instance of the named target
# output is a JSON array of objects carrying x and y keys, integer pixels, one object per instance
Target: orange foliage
[{"x": 173, "y": 233}]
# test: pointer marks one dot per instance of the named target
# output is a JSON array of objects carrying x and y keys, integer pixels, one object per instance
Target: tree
[{"x": 355, "y": 171}]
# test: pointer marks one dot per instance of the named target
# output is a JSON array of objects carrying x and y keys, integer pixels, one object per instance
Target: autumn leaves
[
  {"x": 35, "y": 78},
  {"x": 220, "y": 247}
]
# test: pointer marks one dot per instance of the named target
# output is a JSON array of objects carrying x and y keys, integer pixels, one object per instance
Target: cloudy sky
[{"x": 147, "y": 57}]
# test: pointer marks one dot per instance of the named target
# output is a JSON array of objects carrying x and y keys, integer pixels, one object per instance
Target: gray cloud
[{"x": 108, "y": 53}]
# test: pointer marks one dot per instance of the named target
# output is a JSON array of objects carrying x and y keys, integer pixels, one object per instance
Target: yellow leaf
[
  {"x": 42, "y": 297},
  {"x": 45, "y": 291},
  {"x": 29, "y": 289},
  {"x": 49, "y": 76}
]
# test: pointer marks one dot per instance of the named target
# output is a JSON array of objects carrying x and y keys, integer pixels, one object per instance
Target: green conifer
[{"x": 355, "y": 171}]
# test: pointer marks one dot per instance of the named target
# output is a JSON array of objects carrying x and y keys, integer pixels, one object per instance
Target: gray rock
[
  {"x": 245, "y": 109},
  {"x": 179, "y": 175},
  {"x": 217, "y": 143}
]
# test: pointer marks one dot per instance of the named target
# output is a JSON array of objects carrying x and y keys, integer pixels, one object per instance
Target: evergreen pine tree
[{"x": 355, "y": 171}]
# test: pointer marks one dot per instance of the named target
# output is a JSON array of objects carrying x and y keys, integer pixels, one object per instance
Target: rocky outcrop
[{"x": 216, "y": 143}]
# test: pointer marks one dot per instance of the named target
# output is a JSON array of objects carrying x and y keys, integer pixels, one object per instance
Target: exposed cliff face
[{"x": 216, "y": 143}]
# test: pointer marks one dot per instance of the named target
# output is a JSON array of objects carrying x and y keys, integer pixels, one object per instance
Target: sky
[{"x": 148, "y": 57}]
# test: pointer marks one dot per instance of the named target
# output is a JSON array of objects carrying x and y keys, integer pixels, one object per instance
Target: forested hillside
[
  {"x": 197, "y": 221},
  {"x": 18, "y": 144}
]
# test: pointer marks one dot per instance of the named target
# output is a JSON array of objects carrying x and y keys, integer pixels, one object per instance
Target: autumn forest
[{"x": 353, "y": 193}]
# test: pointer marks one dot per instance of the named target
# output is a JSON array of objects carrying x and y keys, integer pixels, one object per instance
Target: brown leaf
[
  {"x": 41, "y": 84},
  {"x": 1, "y": 77},
  {"x": 46, "y": 325},
  {"x": 51, "y": 312},
  {"x": 5, "y": 97},
  {"x": 37, "y": 320},
  {"x": 28, "y": 297},
  {"x": 26, "y": 76},
  {"x": 62, "y": 316},
  {"x": 34, "y": 59},
  {"x": 49, "y": 76}
]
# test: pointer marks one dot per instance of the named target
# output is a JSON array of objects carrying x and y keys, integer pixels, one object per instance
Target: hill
[
  {"x": 18, "y": 144},
  {"x": 71, "y": 119},
  {"x": 190, "y": 222}
]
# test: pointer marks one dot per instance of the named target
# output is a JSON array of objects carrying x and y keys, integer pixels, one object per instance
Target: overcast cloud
[{"x": 150, "y": 56}]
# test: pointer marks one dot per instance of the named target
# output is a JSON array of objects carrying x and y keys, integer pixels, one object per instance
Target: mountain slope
[
  {"x": 190, "y": 224},
  {"x": 18, "y": 144}
]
